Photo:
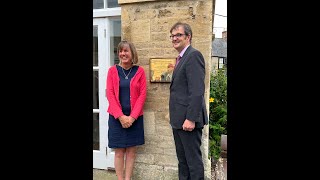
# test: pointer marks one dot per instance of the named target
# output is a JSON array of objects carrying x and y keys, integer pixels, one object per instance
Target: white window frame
[{"x": 107, "y": 12}]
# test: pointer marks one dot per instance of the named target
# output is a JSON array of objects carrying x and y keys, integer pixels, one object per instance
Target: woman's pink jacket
[{"x": 138, "y": 93}]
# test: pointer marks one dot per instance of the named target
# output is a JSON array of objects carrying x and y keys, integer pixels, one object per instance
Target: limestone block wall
[{"x": 147, "y": 23}]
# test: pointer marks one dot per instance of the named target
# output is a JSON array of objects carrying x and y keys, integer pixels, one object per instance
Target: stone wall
[{"x": 147, "y": 23}]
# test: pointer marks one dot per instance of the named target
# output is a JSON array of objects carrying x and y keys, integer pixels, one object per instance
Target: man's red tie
[{"x": 177, "y": 61}]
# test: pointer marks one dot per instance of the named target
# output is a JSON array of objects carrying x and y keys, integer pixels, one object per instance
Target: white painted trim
[
  {"x": 104, "y": 157},
  {"x": 100, "y": 157},
  {"x": 107, "y": 12}
]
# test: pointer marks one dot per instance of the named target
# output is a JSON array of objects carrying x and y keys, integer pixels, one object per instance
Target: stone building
[
  {"x": 219, "y": 52},
  {"x": 146, "y": 23}
]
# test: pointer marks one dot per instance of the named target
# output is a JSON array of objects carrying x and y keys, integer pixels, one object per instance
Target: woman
[{"x": 126, "y": 93}]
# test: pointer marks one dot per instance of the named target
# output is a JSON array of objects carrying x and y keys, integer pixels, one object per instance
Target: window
[
  {"x": 220, "y": 62},
  {"x": 115, "y": 38},
  {"x": 102, "y": 4}
]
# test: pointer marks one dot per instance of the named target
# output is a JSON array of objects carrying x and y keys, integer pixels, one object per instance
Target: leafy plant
[{"x": 218, "y": 111}]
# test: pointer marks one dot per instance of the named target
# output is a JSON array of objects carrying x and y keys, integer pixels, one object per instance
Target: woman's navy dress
[{"x": 118, "y": 136}]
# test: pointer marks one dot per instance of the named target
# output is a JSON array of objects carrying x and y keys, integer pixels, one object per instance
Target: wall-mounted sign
[{"x": 161, "y": 69}]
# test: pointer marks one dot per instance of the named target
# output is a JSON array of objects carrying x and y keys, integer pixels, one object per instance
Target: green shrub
[{"x": 217, "y": 111}]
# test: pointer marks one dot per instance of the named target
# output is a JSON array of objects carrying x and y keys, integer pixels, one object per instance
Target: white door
[{"x": 106, "y": 36}]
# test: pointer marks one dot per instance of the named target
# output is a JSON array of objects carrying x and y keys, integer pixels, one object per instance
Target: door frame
[{"x": 104, "y": 157}]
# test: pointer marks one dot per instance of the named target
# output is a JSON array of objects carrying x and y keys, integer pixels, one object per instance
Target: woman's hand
[{"x": 125, "y": 121}]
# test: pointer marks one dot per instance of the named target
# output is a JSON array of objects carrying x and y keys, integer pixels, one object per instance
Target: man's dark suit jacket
[{"x": 187, "y": 90}]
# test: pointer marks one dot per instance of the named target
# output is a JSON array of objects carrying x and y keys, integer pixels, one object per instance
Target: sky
[{"x": 220, "y": 22}]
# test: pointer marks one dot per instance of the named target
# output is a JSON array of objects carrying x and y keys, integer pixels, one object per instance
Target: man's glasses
[{"x": 176, "y": 35}]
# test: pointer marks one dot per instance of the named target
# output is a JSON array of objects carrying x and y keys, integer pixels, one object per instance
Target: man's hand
[{"x": 188, "y": 125}]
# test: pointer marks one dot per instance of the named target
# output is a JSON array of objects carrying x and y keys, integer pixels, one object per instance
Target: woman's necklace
[{"x": 126, "y": 76}]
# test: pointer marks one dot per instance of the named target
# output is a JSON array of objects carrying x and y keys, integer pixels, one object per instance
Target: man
[
  {"x": 188, "y": 113},
  {"x": 167, "y": 76}
]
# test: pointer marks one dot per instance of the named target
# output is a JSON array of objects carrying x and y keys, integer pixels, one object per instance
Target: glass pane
[
  {"x": 221, "y": 60},
  {"x": 112, "y": 3},
  {"x": 95, "y": 45},
  {"x": 96, "y": 131},
  {"x": 98, "y": 4},
  {"x": 95, "y": 90},
  {"x": 115, "y": 38}
]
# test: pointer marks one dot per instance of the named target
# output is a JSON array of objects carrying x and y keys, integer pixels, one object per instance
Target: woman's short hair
[{"x": 124, "y": 44}]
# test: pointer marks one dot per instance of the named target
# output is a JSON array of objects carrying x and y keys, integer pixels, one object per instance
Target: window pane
[
  {"x": 112, "y": 3},
  {"x": 220, "y": 60},
  {"x": 95, "y": 45},
  {"x": 96, "y": 141},
  {"x": 98, "y": 4},
  {"x": 115, "y": 38},
  {"x": 95, "y": 90},
  {"x": 220, "y": 63}
]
